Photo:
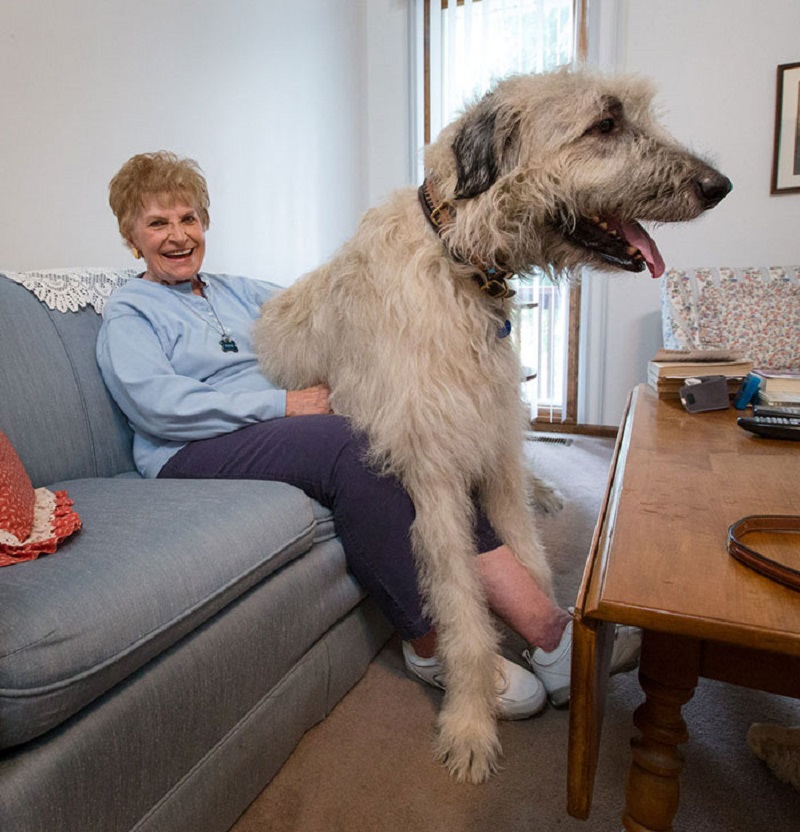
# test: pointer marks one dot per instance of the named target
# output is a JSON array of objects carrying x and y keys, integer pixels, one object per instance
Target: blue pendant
[
  {"x": 228, "y": 345},
  {"x": 505, "y": 330}
]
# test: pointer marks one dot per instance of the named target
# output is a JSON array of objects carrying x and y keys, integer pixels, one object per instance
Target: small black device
[
  {"x": 772, "y": 427},
  {"x": 705, "y": 393}
]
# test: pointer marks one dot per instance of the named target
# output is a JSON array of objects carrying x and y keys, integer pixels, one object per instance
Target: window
[{"x": 468, "y": 44}]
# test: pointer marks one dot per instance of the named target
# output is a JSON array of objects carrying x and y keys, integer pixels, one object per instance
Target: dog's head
[{"x": 560, "y": 170}]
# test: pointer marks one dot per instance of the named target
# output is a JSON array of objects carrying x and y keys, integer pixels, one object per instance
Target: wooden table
[{"x": 659, "y": 561}]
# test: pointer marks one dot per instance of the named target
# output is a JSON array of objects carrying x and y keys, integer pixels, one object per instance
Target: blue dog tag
[{"x": 505, "y": 330}]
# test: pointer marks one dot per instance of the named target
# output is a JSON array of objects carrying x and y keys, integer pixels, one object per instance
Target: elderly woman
[{"x": 176, "y": 353}]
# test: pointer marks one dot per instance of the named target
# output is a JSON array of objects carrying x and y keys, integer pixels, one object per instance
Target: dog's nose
[{"x": 713, "y": 188}]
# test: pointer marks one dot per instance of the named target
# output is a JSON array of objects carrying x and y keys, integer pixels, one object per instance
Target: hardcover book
[{"x": 778, "y": 381}]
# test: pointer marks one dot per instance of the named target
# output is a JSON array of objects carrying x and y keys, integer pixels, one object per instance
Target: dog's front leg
[{"x": 467, "y": 641}]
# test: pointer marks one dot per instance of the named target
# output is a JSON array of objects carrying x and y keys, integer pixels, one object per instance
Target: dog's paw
[
  {"x": 469, "y": 758},
  {"x": 543, "y": 495}
]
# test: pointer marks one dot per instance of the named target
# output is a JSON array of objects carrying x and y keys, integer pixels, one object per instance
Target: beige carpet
[{"x": 369, "y": 768}]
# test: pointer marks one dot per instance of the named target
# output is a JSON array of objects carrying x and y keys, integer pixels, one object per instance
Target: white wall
[
  {"x": 714, "y": 63},
  {"x": 391, "y": 155},
  {"x": 268, "y": 95}
]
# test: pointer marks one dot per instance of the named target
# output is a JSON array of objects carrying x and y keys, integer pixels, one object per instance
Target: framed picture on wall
[{"x": 786, "y": 161}]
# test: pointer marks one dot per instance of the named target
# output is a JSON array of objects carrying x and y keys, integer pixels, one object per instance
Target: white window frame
[{"x": 427, "y": 87}]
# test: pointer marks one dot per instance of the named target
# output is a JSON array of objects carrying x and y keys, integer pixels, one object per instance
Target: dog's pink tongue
[{"x": 637, "y": 236}]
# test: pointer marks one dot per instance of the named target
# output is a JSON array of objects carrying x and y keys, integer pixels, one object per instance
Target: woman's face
[{"x": 170, "y": 235}]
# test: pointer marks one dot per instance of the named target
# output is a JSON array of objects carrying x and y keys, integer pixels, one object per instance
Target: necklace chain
[{"x": 226, "y": 342}]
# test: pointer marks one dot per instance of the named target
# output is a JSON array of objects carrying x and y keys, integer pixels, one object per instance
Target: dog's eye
[{"x": 603, "y": 127}]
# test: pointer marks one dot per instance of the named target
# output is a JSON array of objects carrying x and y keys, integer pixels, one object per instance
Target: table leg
[
  {"x": 592, "y": 643},
  {"x": 668, "y": 675}
]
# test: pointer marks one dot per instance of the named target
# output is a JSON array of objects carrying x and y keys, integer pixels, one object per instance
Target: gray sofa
[{"x": 159, "y": 668}]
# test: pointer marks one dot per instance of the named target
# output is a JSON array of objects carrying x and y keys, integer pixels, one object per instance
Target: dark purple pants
[{"x": 324, "y": 457}]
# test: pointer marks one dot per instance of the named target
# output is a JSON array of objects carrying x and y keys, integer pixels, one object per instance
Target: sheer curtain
[
  {"x": 471, "y": 44},
  {"x": 475, "y": 42}
]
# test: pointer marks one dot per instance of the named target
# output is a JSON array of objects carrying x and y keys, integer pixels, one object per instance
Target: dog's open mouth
[{"x": 623, "y": 243}]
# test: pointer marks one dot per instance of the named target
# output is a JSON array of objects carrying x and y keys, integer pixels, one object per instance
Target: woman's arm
[{"x": 166, "y": 405}]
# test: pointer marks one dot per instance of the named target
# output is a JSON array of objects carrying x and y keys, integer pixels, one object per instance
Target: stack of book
[
  {"x": 668, "y": 370},
  {"x": 778, "y": 388}
]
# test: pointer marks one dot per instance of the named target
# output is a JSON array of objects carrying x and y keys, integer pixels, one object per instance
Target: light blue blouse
[{"x": 160, "y": 355}]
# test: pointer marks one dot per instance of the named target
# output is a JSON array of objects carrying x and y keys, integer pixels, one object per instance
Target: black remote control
[
  {"x": 771, "y": 427},
  {"x": 775, "y": 410}
]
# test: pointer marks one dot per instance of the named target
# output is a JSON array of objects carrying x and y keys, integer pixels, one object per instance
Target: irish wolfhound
[{"x": 406, "y": 325}]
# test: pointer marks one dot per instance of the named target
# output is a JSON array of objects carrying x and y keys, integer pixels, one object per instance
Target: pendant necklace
[{"x": 226, "y": 342}]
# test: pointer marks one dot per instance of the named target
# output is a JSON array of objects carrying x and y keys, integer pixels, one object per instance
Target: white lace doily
[{"x": 68, "y": 290}]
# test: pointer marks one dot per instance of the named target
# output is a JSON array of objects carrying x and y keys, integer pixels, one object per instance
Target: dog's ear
[{"x": 481, "y": 149}]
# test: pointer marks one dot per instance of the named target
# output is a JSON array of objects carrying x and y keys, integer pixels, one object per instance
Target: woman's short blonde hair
[{"x": 160, "y": 173}]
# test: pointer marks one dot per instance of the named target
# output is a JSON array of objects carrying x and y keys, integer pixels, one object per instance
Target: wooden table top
[{"x": 659, "y": 556}]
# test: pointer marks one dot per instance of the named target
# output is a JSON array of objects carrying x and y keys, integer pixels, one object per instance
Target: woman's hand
[{"x": 309, "y": 401}]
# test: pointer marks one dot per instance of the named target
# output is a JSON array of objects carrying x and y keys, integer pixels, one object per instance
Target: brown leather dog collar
[
  {"x": 756, "y": 560},
  {"x": 441, "y": 213}
]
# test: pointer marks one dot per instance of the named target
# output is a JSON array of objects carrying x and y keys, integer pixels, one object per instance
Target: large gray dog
[{"x": 405, "y": 323}]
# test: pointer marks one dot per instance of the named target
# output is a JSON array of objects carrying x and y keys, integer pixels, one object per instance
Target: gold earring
[{"x": 136, "y": 253}]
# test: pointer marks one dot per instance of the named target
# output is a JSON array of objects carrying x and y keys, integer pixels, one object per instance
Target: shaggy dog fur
[
  {"x": 550, "y": 171},
  {"x": 779, "y": 748}
]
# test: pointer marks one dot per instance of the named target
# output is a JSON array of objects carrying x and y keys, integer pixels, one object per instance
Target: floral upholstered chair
[{"x": 755, "y": 310}]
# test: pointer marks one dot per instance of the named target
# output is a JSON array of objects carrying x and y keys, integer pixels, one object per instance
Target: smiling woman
[
  {"x": 161, "y": 204},
  {"x": 170, "y": 237}
]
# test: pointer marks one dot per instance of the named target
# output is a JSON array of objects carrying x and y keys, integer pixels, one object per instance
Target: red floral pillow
[
  {"x": 17, "y": 496},
  {"x": 32, "y": 521}
]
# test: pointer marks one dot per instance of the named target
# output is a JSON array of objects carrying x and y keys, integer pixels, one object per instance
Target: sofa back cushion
[{"x": 54, "y": 407}]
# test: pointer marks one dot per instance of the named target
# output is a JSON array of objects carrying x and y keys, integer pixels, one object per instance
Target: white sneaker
[
  {"x": 554, "y": 668},
  {"x": 519, "y": 693}
]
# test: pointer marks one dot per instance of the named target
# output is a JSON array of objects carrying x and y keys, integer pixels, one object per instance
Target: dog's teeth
[
  {"x": 632, "y": 250},
  {"x": 603, "y": 225},
  {"x": 595, "y": 220}
]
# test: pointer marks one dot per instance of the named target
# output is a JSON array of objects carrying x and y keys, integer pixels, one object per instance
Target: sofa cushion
[
  {"x": 323, "y": 517},
  {"x": 154, "y": 560},
  {"x": 54, "y": 406}
]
